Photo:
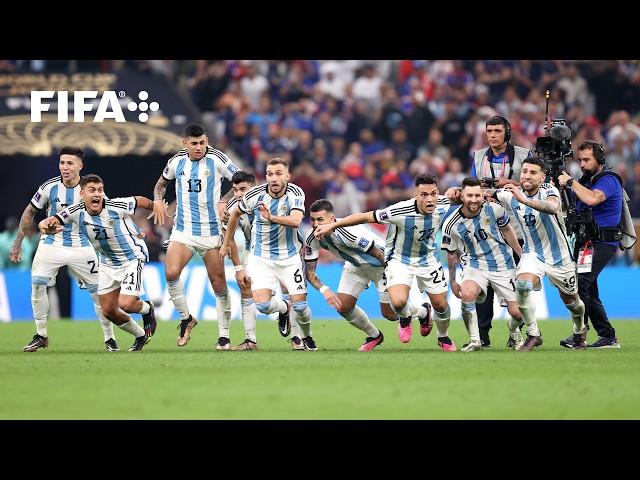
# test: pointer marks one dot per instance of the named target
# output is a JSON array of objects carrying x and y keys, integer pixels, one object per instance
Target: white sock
[
  {"x": 249, "y": 318},
  {"x": 577, "y": 315},
  {"x": 278, "y": 305},
  {"x": 442, "y": 320},
  {"x": 405, "y": 311},
  {"x": 358, "y": 318},
  {"x": 304, "y": 319},
  {"x": 224, "y": 320},
  {"x": 513, "y": 324},
  {"x": 176, "y": 292},
  {"x": 527, "y": 307},
  {"x": 133, "y": 328},
  {"x": 105, "y": 323},
  {"x": 295, "y": 328},
  {"x": 40, "y": 305},
  {"x": 145, "y": 308},
  {"x": 470, "y": 318}
]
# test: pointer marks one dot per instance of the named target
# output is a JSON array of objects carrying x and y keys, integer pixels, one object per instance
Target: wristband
[
  {"x": 323, "y": 289},
  {"x": 238, "y": 268},
  {"x": 569, "y": 182}
]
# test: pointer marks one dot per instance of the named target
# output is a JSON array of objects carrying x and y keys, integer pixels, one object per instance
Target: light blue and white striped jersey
[
  {"x": 271, "y": 240},
  {"x": 411, "y": 237},
  {"x": 112, "y": 232},
  {"x": 543, "y": 233},
  {"x": 244, "y": 222},
  {"x": 54, "y": 196},
  {"x": 349, "y": 243},
  {"x": 198, "y": 185},
  {"x": 479, "y": 238}
]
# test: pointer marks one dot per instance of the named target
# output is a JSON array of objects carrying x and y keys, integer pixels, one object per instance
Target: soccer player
[
  {"x": 198, "y": 170},
  {"x": 481, "y": 231},
  {"x": 71, "y": 248},
  {"x": 109, "y": 227},
  {"x": 278, "y": 210},
  {"x": 242, "y": 182},
  {"x": 546, "y": 250},
  {"x": 363, "y": 252},
  {"x": 410, "y": 252}
]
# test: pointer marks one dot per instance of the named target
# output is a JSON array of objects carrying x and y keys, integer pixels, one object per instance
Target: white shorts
[
  {"x": 266, "y": 273},
  {"x": 431, "y": 279},
  {"x": 196, "y": 244},
  {"x": 81, "y": 261},
  {"x": 355, "y": 280},
  {"x": 503, "y": 283},
  {"x": 564, "y": 278},
  {"x": 127, "y": 277}
]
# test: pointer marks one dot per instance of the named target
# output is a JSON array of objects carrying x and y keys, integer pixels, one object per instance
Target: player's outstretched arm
[
  {"x": 15, "y": 253},
  {"x": 510, "y": 237},
  {"x": 355, "y": 219},
  {"x": 159, "y": 205},
  {"x": 453, "y": 258},
  {"x": 310, "y": 272},
  {"x": 146, "y": 204},
  {"x": 50, "y": 225}
]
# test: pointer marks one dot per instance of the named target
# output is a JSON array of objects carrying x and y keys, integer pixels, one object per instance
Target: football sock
[
  {"x": 358, "y": 318},
  {"x": 527, "y": 306},
  {"x": 105, "y": 323},
  {"x": 176, "y": 292},
  {"x": 249, "y": 318},
  {"x": 133, "y": 328},
  {"x": 40, "y": 304},
  {"x": 577, "y": 315}
]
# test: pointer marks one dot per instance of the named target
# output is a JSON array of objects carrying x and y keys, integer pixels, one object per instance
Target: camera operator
[
  {"x": 599, "y": 189},
  {"x": 496, "y": 166}
]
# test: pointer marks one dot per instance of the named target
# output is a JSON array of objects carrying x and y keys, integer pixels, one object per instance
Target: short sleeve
[
  {"x": 39, "y": 199},
  {"x": 70, "y": 214},
  {"x": 358, "y": 238},
  {"x": 502, "y": 217},
  {"x": 127, "y": 204},
  {"x": 169, "y": 172},
  {"x": 296, "y": 197},
  {"x": 224, "y": 165},
  {"x": 607, "y": 185},
  {"x": 503, "y": 196},
  {"x": 550, "y": 191},
  {"x": 311, "y": 248},
  {"x": 449, "y": 242}
]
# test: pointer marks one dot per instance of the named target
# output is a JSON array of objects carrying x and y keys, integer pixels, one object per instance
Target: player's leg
[
  {"x": 504, "y": 285},
  {"x": 130, "y": 291},
  {"x": 399, "y": 280},
  {"x": 84, "y": 266},
  {"x": 296, "y": 333},
  {"x": 470, "y": 290},
  {"x": 263, "y": 282},
  {"x": 442, "y": 318},
  {"x": 485, "y": 316},
  {"x": 566, "y": 282},
  {"x": 529, "y": 276},
  {"x": 215, "y": 271},
  {"x": 110, "y": 303},
  {"x": 248, "y": 307},
  {"x": 178, "y": 255},
  {"x": 291, "y": 274}
]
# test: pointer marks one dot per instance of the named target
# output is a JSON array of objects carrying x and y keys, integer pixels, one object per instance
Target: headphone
[
  {"x": 507, "y": 126},
  {"x": 598, "y": 151}
]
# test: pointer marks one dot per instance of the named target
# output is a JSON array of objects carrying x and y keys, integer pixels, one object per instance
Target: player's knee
[
  {"x": 172, "y": 273},
  {"x": 468, "y": 306},
  {"x": 127, "y": 304},
  {"x": 440, "y": 305},
  {"x": 264, "y": 307},
  {"x": 299, "y": 307},
  {"x": 397, "y": 304},
  {"x": 524, "y": 286},
  {"x": 110, "y": 311}
]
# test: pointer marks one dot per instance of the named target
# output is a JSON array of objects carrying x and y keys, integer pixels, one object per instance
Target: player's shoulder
[
  {"x": 547, "y": 187},
  {"x": 310, "y": 237},
  {"x": 403, "y": 207},
  {"x": 255, "y": 190},
  {"x": 294, "y": 189},
  {"x": 348, "y": 233},
  {"x": 179, "y": 155},
  {"x": 122, "y": 203},
  {"x": 217, "y": 154},
  {"x": 51, "y": 182},
  {"x": 454, "y": 218},
  {"x": 231, "y": 203}
]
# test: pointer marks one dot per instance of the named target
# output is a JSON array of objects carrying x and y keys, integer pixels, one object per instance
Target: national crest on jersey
[
  {"x": 198, "y": 190},
  {"x": 411, "y": 237},
  {"x": 271, "y": 240},
  {"x": 544, "y": 234},
  {"x": 111, "y": 232},
  {"x": 352, "y": 244},
  {"x": 479, "y": 238},
  {"x": 54, "y": 196}
]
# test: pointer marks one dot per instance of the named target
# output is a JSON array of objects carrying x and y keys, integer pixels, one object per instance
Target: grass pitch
[{"x": 75, "y": 378}]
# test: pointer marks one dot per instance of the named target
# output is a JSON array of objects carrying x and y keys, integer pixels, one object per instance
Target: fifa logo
[{"x": 84, "y": 101}]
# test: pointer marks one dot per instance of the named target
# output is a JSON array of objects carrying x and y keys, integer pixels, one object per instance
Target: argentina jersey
[
  {"x": 244, "y": 222},
  {"x": 271, "y": 240},
  {"x": 479, "y": 238},
  {"x": 352, "y": 244},
  {"x": 411, "y": 238},
  {"x": 55, "y": 197},
  {"x": 544, "y": 234},
  {"x": 112, "y": 231},
  {"x": 198, "y": 185}
]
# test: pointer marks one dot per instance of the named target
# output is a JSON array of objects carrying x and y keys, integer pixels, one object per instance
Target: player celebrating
[
  {"x": 546, "y": 250},
  {"x": 363, "y": 252},
  {"x": 71, "y": 248},
  {"x": 108, "y": 225},
  {"x": 198, "y": 170},
  {"x": 479, "y": 229},
  {"x": 278, "y": 209},
  {"x": 411, "y": 252}
]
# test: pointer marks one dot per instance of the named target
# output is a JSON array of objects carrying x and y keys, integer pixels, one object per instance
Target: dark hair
[
  {"x": 75, "y": 151},
  {"x": 322, "y": 204},
  {"x": 470, "y": 182},
  {"x": 498, "y": 120},
  {"x": 595, "y": 147},
  {"x": 534, "y": 161},
  {"x": 278, "y": 161},
  {"x": 194, "y": 130},
  {"x": 426, "y": 179},
  {"x": 242, "y": 176},
  {"x": 91, "y": 178}
]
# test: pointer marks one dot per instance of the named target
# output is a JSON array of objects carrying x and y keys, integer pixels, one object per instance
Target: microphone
[{"x": 560, "y": 133}]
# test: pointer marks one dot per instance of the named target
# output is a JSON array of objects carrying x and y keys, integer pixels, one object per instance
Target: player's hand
[
  {"x": 453, "y": 194},
  {"x": 244, "y": 281},
  {"x": 224, "y": 251},
  {"x": 323, "y": 230},
  {"x": 159, "y": 212},
  {"x": 50, "y": 228},
  {"x": 515, "y": 191},
  {"x": 455, "y": 289},
  {"x": 264, "y": 211},
  {"x": 332, "y": 299},
  {"x": 563, "y": 178},
  {"x": 502, "y": 182},
  {"x": 15, "y": 254}
]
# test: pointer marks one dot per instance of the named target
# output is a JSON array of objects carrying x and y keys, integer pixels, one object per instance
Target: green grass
[{"x": 76, "y": 379}]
